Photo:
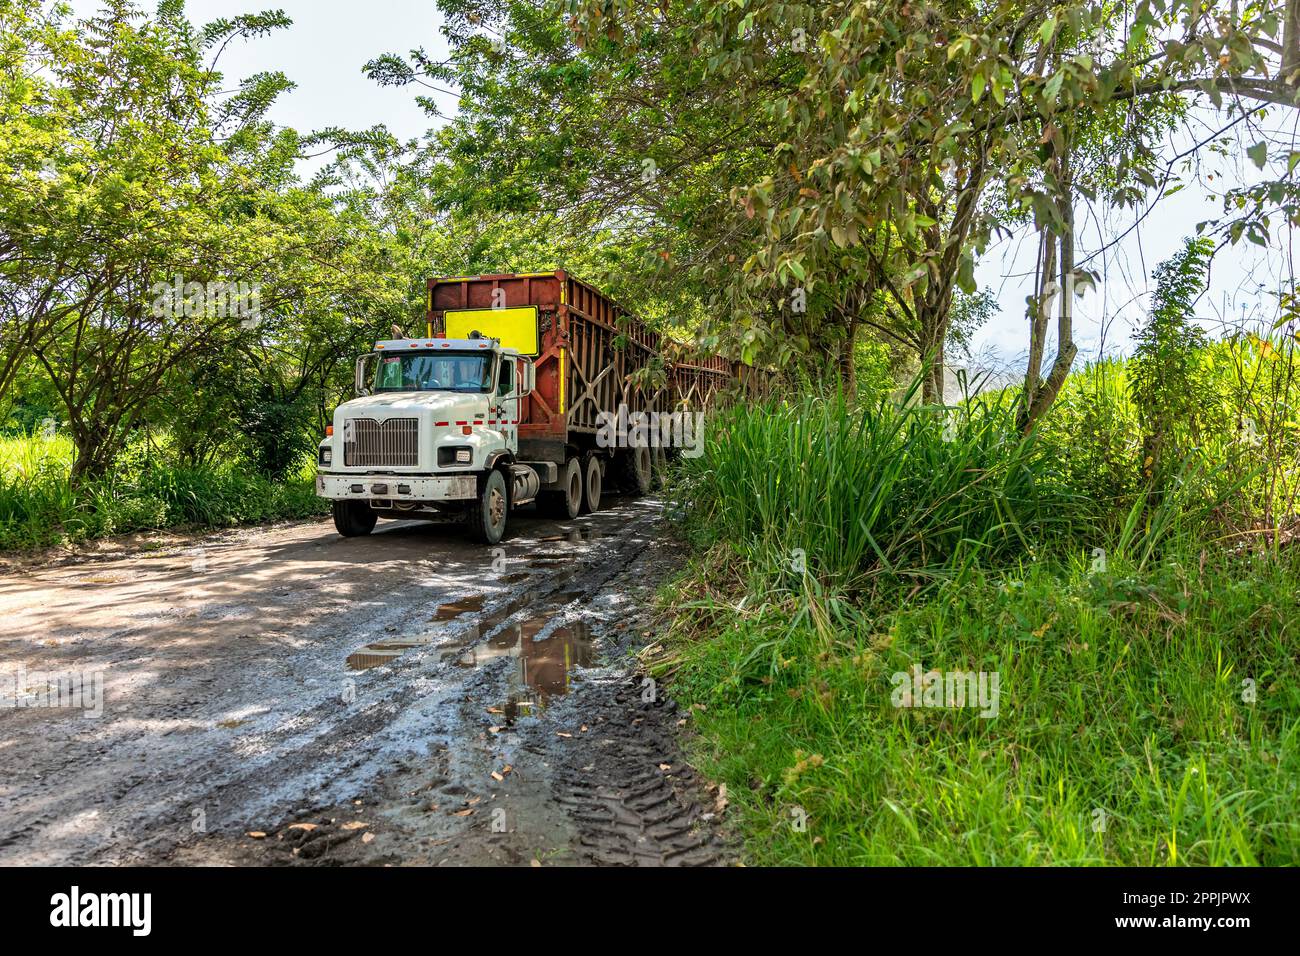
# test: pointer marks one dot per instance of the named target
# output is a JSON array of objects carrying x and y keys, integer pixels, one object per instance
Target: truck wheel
[
  {"x": 353, "y": 519},
  {"x": 634, "y": 470},
  {"x": 568, "y": 502},
  {"x": 486, "y": 518},
  {"x": 591, "y": 484}
]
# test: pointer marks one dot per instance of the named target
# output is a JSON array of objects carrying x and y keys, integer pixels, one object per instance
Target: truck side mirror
[
  {"x": 362, "y": 377},
  {"x": 529, "y": 380}
]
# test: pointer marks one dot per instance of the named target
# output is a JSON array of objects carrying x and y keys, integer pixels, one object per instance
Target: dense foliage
[{"x": 1144, "y": 642}]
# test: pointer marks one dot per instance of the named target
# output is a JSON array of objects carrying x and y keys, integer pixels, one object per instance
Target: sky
[
  {"x": 1243, "y": 281},
  {"x": 323, "y": 53}
]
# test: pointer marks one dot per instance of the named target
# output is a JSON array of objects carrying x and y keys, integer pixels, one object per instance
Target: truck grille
[{"x": 371, "y": 444}]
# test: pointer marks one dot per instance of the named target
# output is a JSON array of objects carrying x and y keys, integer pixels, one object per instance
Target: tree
[
  {"x": 835, "y": 156},
  {"x": 152, "y": 225},
  {"x": 1164, "y": 380},
  {"x": 901, "y": 116}
]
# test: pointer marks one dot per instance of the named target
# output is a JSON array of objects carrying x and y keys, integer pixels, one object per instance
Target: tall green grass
[
  {"x": 1239, "y": 446},
  {"x": 1122, "y": 627},
  {"x": 909, "y": 492},
  {"x": 40, "y": 506}
]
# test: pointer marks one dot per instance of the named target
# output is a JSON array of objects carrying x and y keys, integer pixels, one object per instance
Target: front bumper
[{"x": 397, "y": 487}]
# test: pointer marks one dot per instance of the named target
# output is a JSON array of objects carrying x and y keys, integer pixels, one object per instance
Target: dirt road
[{"x": 403, "y": 698}]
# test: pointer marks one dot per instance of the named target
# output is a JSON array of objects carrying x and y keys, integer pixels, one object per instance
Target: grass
[
  {"x": 1119, "y": 633},
  {"x": 879, "y": 490},
  {"x": 1120, "y": 700},
  {"x": 40, "y": 507}
]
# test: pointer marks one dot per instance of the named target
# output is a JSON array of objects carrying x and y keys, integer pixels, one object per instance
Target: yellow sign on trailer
[{"x": 516, "y": 327}]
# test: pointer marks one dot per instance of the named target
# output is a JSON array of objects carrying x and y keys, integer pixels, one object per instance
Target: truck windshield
[{"x": 440, "y": 372}]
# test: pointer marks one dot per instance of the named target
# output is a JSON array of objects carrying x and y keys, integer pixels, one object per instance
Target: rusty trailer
[{"x": 591, "y": 356}]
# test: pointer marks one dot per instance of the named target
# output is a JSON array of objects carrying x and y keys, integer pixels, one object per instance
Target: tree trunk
[
  {"x": 1038, "y": 320},
  {"x": 934, "y": 325},
  {"x": 935, "y": 382},
  {"x": 1066, "y": 350},
  {"x": 1044, "y": 394},
  {"x": 848, "y": 367},
  {"x": 93, "y": 457},
  {"x": 1290, "y": 40}
]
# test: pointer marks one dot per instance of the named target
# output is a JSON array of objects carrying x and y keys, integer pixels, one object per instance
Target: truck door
[{"x": 505, "y": 402}]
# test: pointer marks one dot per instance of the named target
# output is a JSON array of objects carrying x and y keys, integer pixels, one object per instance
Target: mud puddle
[
  {"x": 576, "y": 536},
  {"x": 383, "y": 652},
  {"x": 544, "y": 650},
  {"x": 525, "y": 633},
  {"x": 543, "y": 661}
]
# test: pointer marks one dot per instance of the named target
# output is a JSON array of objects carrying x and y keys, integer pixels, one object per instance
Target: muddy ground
[{"x": 284, "y": 696}]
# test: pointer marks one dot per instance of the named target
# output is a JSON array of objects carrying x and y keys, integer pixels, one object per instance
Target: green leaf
[
  {"x": 977, "y": 87},
  {"x": 966, "y": 275},
  {"x": 1054, "y": 85},
  {"x": 1258, "y": 154}
]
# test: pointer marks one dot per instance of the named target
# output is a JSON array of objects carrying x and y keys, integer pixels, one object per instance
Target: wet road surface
[{"x": 287, "y": 696}]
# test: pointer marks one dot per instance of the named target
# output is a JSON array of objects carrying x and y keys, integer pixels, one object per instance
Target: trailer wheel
[
  {"x": 353, "y": 519},
  {"x": 568, "y": 502},
  {"x": 591, "y": 481},
  {"x": 486, "y": 518},
  {"x": 635, "y": 467}
]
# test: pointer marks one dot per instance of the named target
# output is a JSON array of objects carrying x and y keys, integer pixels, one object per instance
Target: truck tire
[
  {"x": 353, "y": 519},
  {"x": 634, "y": 468},
  {"x": 591, "y": 482},
  {"x": 566, "y": 503},
  {"x": 485, "y": 519}
]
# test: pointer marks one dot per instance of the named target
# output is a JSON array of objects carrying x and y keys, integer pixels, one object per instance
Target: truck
[{"x": 501, "y": 404}]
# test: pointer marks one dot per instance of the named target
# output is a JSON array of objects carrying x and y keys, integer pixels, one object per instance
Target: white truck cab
[{"x": 432, "y": 433}]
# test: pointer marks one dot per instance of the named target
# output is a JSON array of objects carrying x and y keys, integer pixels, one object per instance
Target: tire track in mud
[
  {"x": 592, "y": 776},
  {"x": 633, "y": 798},
  {"x": 405, "y": 691}
]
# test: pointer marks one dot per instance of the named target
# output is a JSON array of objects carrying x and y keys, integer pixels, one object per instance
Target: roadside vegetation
[
  {"x": 1140, "y": 616},
  {"x": 40, "y": 505}
]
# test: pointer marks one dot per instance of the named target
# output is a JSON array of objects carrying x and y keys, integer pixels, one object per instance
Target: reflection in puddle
[
  {"x": 574, "y": 535},
  {"x": 456, "y": 608},
  {"x": 381, "y": 652},
  {"x": 544, "y": 667},
  {"x": 372, "y": 655}
]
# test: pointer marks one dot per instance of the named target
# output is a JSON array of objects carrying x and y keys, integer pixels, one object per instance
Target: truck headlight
[
  {"x": 455, "y": 455},
  {"x": 326, "y": 455}
]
